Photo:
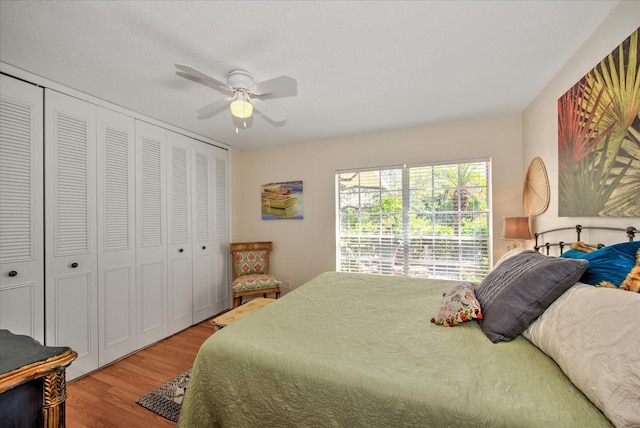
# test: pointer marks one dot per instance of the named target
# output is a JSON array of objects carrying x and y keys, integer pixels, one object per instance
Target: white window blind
[{"x": 428, "y": 221}]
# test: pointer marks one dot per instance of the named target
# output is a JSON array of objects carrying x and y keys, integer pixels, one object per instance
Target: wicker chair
[{"x": 251, "y": 271}]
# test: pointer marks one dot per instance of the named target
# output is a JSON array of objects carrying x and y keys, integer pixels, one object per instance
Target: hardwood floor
[{"x": 107, "y": 397}]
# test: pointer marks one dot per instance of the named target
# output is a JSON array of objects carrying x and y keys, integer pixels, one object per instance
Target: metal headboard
[{"x": 630, "y": 231}]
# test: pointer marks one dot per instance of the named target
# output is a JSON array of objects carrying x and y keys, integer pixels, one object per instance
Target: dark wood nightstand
[{"x": 33, "y": 388}]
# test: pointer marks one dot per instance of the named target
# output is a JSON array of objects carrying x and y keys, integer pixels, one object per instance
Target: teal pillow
[{"x": 611, "y": 263}]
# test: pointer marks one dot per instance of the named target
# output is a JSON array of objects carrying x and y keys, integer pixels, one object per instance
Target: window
[{"x": 429, "y": 221}]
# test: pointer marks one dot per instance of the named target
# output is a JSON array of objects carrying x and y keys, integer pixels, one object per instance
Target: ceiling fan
[{"x": 245, "y": 95}]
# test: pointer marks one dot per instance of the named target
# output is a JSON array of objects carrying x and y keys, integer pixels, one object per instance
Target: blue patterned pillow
[{"x": 611, "y": 264}]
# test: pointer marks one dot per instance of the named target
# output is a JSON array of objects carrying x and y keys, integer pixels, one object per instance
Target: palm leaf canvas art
[{"x": 599, "y": 139}]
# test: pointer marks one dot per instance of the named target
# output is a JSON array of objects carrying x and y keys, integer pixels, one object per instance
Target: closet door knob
[
  {"x": 13, "y": 273},
  {"x": 180, "y": 250},
  {"x": 74, "y": 265},
  {"x": 204, "y": 247}
]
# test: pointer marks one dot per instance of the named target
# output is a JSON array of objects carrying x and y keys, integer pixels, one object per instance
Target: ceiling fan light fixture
[
  {"x": 243, "y": 90},
  {"x": 241, "y": 107}
]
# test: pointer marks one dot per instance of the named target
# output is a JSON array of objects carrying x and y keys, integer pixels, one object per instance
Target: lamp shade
[
  {"x": 241, "y": 107},
  {"x": 515, "y": 228}
]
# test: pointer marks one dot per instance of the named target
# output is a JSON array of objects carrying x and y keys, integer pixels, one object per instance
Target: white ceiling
[{"x": 361, "y": 66}]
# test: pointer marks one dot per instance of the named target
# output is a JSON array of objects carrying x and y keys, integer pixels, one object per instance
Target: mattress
[{"x": 357, "y": 350}]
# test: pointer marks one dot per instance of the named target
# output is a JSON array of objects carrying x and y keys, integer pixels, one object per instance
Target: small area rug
[{"x": 167, "y": 399}]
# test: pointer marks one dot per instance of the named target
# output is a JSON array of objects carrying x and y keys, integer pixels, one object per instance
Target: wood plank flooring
[{"x": 107, "y": 397}]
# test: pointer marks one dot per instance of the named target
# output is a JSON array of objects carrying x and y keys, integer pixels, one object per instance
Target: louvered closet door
[
  {"x": 210, "y": 278},
  {"x": 70, "y": 225},
  {"x": 116, "y": 236},
  {"x": 151, "y": 227},
  {"x": 21, "y": 209},
  {"x": 222, "y": 275},
  {"x": 179, "y": 222}
]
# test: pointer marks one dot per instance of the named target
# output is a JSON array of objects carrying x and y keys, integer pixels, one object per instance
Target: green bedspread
[{"x": 353, "y": 350}]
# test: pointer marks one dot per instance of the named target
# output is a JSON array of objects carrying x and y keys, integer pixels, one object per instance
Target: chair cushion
[
  {"x": 255, "y": 282},
  {"x": 251, "y": 262}
]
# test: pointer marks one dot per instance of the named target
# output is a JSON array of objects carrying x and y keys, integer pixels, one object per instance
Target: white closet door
[
  {"x": 210, "y": 292},
  {"x": 21, "y": 209},
  {"x": 179, "y": 222},
  {"x": 222, "y": 275},
  {"x": 151, "y": 227},
  {"x": 116, "y": 236},
  {"x": 70, "y": 215}
]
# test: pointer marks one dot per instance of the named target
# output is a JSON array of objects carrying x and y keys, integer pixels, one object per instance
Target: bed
[{"x": 359, "y": 350}]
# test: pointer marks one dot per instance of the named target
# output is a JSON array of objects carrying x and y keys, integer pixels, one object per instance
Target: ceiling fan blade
[
  {"x": 213, "y": 109},
  {"x": 282, "y": 84},
  {"x": 269, "y": 112},
  {"x": 203, "y": 76}
]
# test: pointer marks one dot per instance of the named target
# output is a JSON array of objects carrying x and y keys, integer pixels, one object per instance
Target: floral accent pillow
[{"x": 458, "y": 305}]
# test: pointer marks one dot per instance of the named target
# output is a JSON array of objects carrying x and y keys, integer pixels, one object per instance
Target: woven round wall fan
[{"x": 535, "y": 195}]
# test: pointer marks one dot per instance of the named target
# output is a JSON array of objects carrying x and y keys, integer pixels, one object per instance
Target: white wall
[
  {"x": 540, "y": 119},
  {"x": 305, "y": 248}
]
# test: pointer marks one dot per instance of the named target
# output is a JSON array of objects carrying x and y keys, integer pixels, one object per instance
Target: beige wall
[
  {"x": 540, "y": 120},
  {"x": 305, "y": 248}
]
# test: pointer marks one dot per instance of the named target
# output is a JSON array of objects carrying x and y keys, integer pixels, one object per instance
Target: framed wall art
[
  {"x": 599, "y": 139},
  {"x": 281, "y": 200}
]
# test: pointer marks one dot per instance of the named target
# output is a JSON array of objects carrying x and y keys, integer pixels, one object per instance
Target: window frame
[{"x": 479, "y": 244}]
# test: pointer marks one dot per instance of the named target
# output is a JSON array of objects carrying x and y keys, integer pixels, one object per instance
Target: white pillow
[
  {"x": 593, "y": 334},
  {"x": 509, "y": 254}
]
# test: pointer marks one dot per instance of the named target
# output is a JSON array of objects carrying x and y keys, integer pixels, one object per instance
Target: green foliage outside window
[{"x": 446, "y": 222}]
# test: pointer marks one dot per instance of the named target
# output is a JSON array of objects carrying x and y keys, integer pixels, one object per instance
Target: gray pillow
[{"x": 520, "y": 289}]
